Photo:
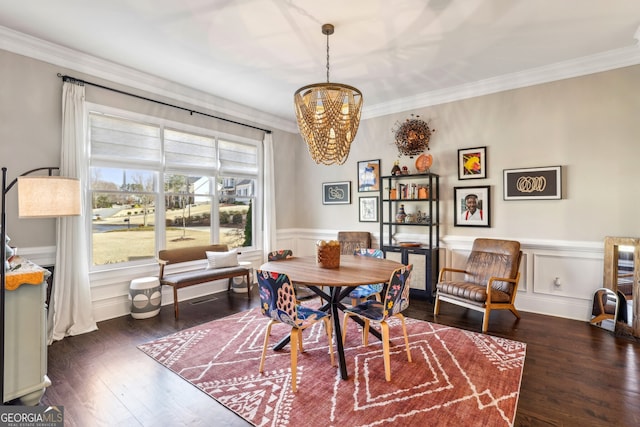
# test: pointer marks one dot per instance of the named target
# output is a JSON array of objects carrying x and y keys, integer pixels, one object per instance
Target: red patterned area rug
[{"x": 456, "y": 377}]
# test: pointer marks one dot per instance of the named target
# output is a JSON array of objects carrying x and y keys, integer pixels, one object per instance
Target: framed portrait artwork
[
  {"x": 369, "y": 209},
  {"x": 472, "y": 206},
  {"x": 533, "y": 183},
  {"x": 369, "y": 175},
  {"x": 336, "y": 193},
  {"x": 472, "y": 163}
]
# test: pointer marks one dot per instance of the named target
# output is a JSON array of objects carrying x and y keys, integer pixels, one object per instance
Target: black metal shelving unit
[{"x": 425, "y": 251}]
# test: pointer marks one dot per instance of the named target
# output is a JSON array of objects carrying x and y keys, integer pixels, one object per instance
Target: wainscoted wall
[
  {"x": 578, "y": 266},
  {"x": 110, "y": 289}
]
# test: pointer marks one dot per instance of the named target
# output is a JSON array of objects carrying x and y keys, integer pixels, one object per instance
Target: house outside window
[{"x": 155, "y": 185}]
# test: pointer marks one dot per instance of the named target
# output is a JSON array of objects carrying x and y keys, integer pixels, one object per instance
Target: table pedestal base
[{"x": 333, "y": 305}]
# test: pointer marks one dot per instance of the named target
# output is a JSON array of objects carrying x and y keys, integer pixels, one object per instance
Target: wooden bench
[{"x": 198, "y": 273}]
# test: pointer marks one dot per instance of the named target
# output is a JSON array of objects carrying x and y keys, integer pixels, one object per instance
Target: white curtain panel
[
  {"x": 70, "y": 309},
  {"x": 269, "y": 192}
]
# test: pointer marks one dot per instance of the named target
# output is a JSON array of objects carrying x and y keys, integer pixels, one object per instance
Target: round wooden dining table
[{"x": 352, "y": 272}]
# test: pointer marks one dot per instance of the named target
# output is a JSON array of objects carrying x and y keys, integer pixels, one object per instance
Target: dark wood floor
[{"x": 574, "y": 374}]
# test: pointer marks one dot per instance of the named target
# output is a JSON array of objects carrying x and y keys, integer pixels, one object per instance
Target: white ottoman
[
  {"x": 239, "y": 284},
  {"x": 146, "y": 297}
]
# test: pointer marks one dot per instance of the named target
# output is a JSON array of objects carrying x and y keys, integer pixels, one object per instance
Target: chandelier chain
[{"x": 327, "y": 57}]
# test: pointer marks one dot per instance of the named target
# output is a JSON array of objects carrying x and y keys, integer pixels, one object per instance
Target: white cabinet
[{"x": 25, "y": 362}]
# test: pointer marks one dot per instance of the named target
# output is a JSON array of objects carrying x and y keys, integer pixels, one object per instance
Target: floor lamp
[{"x": 38, "y": 197}]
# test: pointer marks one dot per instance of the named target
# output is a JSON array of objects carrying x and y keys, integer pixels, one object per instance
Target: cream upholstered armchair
[{"x": 490, "y": 280}]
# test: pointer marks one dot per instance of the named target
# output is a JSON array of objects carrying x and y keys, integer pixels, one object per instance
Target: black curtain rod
[{"x": 84, "y": 82}]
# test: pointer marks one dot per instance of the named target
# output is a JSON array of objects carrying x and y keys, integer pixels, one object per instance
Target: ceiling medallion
[
  {"x": 328, "y": 116},
  {"x": 412, "y": 136}
]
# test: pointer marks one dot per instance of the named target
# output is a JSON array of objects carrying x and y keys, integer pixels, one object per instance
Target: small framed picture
[
  {"x": 369, "y": 209},
  {"x": 472, "y": 163},
  {"x": 336, "y": 193},
  {"x": 533, "y": 183},
  {"x": 369, "y": 175},
  {"x": 472, "y": 206}
]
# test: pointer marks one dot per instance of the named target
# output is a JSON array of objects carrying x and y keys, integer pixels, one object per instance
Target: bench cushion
[{"x": 202, "y": 276}]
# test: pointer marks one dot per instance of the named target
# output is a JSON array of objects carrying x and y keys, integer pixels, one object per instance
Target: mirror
[
  {"x": 605, "y": 309},
  {"x": 621, "y": 276}
]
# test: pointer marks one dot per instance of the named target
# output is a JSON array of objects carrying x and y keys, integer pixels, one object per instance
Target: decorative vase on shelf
[
  {"x": 401, "y": 215},
  {"x": 423, "y": 192}
]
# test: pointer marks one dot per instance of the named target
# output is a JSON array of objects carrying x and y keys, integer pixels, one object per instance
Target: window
[
  {"x": 155, "y": 185},
  {"x": 188, "y": 201},
  {"x": 123, "y": 218},
  {"x": 235, "y": 211}
]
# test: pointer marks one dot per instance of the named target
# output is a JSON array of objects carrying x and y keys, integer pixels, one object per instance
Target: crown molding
[
  {"x": 605, "y": 61},
  {"x": 42, "y": 50}
]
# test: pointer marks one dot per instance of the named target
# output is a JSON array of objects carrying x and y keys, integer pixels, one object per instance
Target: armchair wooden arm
[
  {"x": 502, "y": 279},
  {"x": 444, "y": 270}
]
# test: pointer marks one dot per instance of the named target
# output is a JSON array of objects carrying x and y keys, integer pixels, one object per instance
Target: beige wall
[
  {"x": 30, "y": 135},
  {"x": 588, "y": 125}
]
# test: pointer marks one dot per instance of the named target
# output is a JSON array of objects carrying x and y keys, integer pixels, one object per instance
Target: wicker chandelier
[{"x": 328, "y": 116}]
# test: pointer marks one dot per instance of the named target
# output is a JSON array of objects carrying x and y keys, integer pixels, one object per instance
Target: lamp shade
[{"x": 48, "y": 196}]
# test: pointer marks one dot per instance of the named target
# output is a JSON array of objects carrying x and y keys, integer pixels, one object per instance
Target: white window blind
[
  {"x": 238, "y": 158},
  {"x": 117, "y": 139},
  {"x": 189, "y": 151}
]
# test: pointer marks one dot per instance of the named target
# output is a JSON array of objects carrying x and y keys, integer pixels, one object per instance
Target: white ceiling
[{"x": 259, "y": 52}]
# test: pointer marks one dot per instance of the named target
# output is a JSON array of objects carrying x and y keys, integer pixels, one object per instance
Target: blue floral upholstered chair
[
  {"x": 278, "y": 303},
  {"x": 279, "y": 255},
  {"x": 364, "y": 292},
  {"x": 303, "y": 293},
  {"x": 396, "y": 300}
]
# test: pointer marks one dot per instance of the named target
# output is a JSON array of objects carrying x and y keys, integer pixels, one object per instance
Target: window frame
[{"x": 163, "y": 169}]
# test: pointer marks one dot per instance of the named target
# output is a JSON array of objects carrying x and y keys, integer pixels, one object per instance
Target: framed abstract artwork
[
  {"x": 472, "y": 163},
  {"x": 542, "y": 183},
  {"x": 369, "y": 175},
  {"x": 336, "y": 193},
  {"x": 369, "y": 209}
]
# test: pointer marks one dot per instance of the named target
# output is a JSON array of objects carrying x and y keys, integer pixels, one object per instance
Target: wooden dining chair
[
  {"x": 303, "y": 293},
  {"x": 364, "y": 292},
  {"x": 352, "y": 240},
  {"x": 396, "y": 300},
  {"x": 278, "y": 303}
]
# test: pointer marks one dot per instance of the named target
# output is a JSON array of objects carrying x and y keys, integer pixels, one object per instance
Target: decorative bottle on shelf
[
  {"x": 401, "y": 215},
  {"x": 396, "y": 168}
]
